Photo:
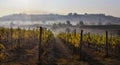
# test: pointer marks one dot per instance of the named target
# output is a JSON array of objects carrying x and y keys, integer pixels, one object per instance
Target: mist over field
[{"x": 50, "y": 19}]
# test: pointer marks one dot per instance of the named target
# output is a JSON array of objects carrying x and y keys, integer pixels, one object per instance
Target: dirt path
[
  {"x": 64, "y": 51},
  {"x": 56, "y": 50}
]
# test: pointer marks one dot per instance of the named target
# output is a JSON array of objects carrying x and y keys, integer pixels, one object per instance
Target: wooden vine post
[
  {"x": 40, "y": 52},
  {"x": 81, "y": 44},
  {"x": 19, "y": 38},
  {"x": 107, "y": 45}
]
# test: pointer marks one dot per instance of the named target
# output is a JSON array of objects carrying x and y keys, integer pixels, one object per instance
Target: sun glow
[
  {"x": 110, "y": 7},
  {"x": 20, "y": 3},
  {"x": 23, "y": 2}
]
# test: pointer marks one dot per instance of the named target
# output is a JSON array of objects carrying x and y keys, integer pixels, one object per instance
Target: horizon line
[{"x": 60, "y": 14}]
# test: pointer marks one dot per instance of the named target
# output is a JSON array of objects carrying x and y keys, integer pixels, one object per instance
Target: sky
[{"x": 108, "y": 7}]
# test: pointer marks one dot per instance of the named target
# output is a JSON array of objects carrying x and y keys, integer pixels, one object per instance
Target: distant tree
[
  {"x": 68, "y": 23},
  {"x": 81, "y": 23},
  {"x": 58, "y": 25},
  {"x": 86, "y": 13},
  {"x": 70, "y": 14},
  {"x": 75, "y": 14},
  {"x": 61, "y": 24}
]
